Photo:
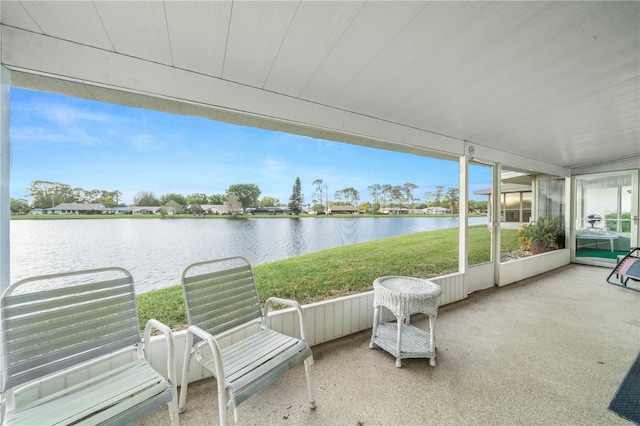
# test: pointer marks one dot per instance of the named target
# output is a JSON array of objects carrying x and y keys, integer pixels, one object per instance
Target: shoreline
[{"x": 242, "y": 217}]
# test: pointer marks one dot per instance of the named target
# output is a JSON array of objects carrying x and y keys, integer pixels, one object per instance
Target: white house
[
  {"x": 436, "y": 210},
  {"x": 78, "y": 208}
]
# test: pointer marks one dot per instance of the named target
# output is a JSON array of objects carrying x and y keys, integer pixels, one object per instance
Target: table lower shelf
[{"x": 414, "y": 342}]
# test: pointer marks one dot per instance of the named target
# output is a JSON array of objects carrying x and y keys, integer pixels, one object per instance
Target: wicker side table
[{"x": 404, "y": 296}]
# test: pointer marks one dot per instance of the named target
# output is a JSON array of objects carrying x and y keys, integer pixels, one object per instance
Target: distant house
[
  {"x": 436, "y": 210},
  {"x": 515, "y": 202},
  {"x": 122, "y": 210},
  {"x": 145, "y": 209},
  {"x": 394, "y": 210},
  {"x": 215, "y": 208},
  {"x": 207, "y": 208},
  {"x": 343, "y": 210},
  {"x": 78, "y": 208},
  {"x": 271, "y": 210}
]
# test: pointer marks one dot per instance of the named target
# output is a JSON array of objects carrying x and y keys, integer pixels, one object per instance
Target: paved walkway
[{"x": 550, "y": 350}]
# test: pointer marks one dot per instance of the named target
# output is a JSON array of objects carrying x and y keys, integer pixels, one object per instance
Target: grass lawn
[{"x": 344, "y": 270}]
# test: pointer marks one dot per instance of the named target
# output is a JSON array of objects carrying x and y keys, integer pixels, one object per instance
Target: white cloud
[
  {"x": 273, "y": 166},
  {"x": 145, "y": 142}
]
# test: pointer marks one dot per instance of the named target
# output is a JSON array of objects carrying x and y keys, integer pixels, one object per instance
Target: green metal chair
[{"x": 222, "y": 300}]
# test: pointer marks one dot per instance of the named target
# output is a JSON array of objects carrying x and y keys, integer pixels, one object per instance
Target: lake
[{"x": 156, "y": 251}]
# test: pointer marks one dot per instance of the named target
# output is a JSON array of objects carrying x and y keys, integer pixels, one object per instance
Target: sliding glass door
[{"x": 605, "y": 223}]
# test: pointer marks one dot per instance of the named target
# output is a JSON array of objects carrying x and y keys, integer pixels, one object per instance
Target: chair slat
[
  {"x": 221, "y": 300},
  {"x": 63, "y": 291},
  {"x": 130, "y": 384},
  {"x": 69, "y": 326}
]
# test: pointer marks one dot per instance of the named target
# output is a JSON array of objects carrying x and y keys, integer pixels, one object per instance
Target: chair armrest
[
  {"x": 168, "y": 335},
  {"x": 213, "y": 344},
  {"x": 287, "y": 302}
]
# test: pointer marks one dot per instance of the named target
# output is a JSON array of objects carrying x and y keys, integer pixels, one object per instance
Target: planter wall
[{"x": 519, "y": 269}]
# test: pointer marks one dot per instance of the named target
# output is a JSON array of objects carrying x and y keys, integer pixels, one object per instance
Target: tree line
[{"x": 239, "y": 197}]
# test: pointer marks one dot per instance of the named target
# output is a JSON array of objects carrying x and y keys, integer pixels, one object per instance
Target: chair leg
[
  {"x": 188, "y": 352},
  {"x": 307, "y": 371},
  {"x": 173, "y": 412},
  {"x": 222, "y": 403}
]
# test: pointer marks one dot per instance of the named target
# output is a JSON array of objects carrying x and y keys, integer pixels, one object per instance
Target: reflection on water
[{"x": 156, "y": 251}]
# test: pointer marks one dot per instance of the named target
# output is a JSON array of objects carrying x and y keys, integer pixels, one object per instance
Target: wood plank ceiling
[{"x": 557, "y": 82}]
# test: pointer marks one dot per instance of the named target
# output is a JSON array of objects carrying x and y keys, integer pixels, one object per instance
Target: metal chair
[
  {"x": 72, "y": 352},
  {"x": 627, "y": 268},
  {"x": 230, "y": 337}
]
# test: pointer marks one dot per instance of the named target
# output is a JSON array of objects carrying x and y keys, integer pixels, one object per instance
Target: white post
[
  {"x": 495, "y": 220},
  {"x": 463, "y": 212},
  {"x": 5, "y": 200}
]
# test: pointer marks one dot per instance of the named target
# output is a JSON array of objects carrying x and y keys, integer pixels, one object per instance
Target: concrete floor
[{"x": 550, "y": 350}]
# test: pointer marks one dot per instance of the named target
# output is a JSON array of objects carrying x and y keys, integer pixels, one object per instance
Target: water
[{"x": 156, "y": 251}]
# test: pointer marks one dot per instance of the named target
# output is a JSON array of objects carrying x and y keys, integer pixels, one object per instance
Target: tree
[
  {"x": 217, "y": 199},
  {"x": 376, "y": 193},
  {"x": 451, "y": 199},
  {"x": 318, "y": 194},
  {"x": 268, "y": 202},
  {"x": 196, "y": 198},
  {"x": 109, "y": 198},
  {"x": 90, "y": 196},
  {"x": 428, "y": 196},
  {"x": 47, "y": 194},
  {"x": 175, "y": 206},
  {"x": 437, "y": 195},
  {"x": 146, "y": 198},
  {"x": 386, "y": 193},
  {"x": 234, "y": 204},
  {"x": 318, "y": 208},
  {"x": 350, "y": 195},
  {"x": 176, "y": 198},
  {"x": 247, "y": 193},
  {"x": 396, "y": 194},
  {"x": 296, "y": 200},
  {"x": 475, "y": 205},
  {"x": 408, "y": 189},
  {"x": 19, "y": 206}
]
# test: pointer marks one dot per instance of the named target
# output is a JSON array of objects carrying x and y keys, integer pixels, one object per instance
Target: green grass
[{"x": 344, "y": 270}]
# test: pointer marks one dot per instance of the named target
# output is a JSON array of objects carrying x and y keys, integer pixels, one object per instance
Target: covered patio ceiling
[{"x": 547, "y": 86}]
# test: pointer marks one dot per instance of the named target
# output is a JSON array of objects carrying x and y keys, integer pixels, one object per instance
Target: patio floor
[{"x": 549, "y": 350}]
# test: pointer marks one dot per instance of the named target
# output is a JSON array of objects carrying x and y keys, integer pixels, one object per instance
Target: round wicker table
[{"x": 404, "y": 296}]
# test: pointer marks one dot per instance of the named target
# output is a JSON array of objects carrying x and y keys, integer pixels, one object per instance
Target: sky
[{"x": 97, "y": 145}]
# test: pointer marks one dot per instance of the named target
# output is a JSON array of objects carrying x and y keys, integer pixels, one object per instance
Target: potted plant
[{"x": 542, "y": 235}]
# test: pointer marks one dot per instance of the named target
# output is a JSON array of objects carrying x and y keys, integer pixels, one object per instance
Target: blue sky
[{"x": 96, "y": 145}]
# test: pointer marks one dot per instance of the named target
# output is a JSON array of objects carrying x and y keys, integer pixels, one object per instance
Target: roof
[
  {"x": 342, "y": 208},
  {"x": 78, "y": 207},
  {"x": 543, "y": 86},
  {"x": 505, "y": 188}
]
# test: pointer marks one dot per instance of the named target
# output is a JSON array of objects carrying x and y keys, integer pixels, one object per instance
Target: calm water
[{"x": 156, "y": 251}]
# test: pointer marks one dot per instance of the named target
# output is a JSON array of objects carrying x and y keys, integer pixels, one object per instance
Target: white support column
[
  {"x": 5, "y": 164},
  {"x": 463, "y": 212},
  {"x": 495, "y": 219}
]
